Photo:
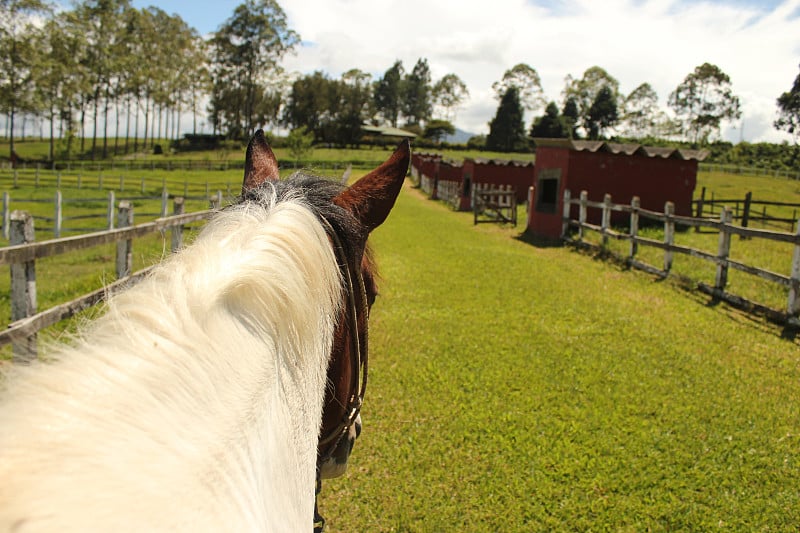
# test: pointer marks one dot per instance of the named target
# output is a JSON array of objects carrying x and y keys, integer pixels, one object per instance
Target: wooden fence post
[
  {"x": 15, "y": 177},
  {"x": 216, "y": 200},
  {"x": 793, "y": 306},
  {"x": 164, "y": 201},
  {"x": 635, "y": 204},
  {"x": 57, "y": 216},
  {"x": 177, "y": 231},
  {"x": 564, "y": 214},
  {"x": 606, "y": 219},
  {"x": 23, "y": 285},
  {"x": 582, "y": 214},
  {"x": 723, "y": 251},
  {"x": 669, "y": 235},
  {"x": 110, "y": 210},
  {"x": 6, "y": 213},
  {"x": 125, "y": 248}
]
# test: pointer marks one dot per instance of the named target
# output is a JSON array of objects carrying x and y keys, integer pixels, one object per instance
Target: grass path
[{"x": 519, "y": 388}]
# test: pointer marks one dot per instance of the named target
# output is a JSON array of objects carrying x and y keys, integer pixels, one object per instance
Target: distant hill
[{"x": 459, "y": 137}]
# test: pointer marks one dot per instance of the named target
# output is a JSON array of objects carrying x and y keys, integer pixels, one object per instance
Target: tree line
[
  {"x": 594, "y": 107},
  {"x": 128, "y": 75}
]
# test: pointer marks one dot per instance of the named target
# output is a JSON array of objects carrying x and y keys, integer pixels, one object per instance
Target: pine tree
[{"x": 507, "y": 130}]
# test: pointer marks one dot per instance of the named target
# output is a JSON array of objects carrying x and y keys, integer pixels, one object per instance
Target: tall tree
[
  {"x": 311, "y": 100},
  {"x": 417, "y": 106},
  {"x": 18, "y": 57},
  {"x": 571, "y": 115},
  {"x": 507, "y": 129},
  {"x": 528, "y": 84},
  {"x": 551, "y": 124},
  {"x": 789, "y": 110},
  {"x": 585, "y": 90},
  {"x": 640, "y": 111},
  {"x": 703, "y": 100},
  {"x": 247, "y": 48},
  {"x": 602, "y": 114},
  {"x": 354, "y": 100},
  {"x": 389, "y": 93},
  {"x": 448, "y": 93}
]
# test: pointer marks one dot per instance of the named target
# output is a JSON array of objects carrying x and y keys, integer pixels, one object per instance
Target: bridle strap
[
  {"x": 359, "y": 365},
  {"x": 359, "y": 352}
]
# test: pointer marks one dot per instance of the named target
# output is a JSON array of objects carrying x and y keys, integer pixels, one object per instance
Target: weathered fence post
[
  {"x": 669, "y": 235},
  {"x": 748, "y": 199},
  {"x": 143, "y": 187},
  {"x": 793, "y": 306},
  {"x": 57, "y": 216},
  {"x": 164, "y": 201},
  {"x": 80, "y": 178},
  {"x": 23, "y": 285},
  {"x": 635, "y": 204},
  {"x": 582, "y": 214},
  {"x": 15, "y": 177},
  {"x": 125, "y": 248},
  {"x": 121, "y": 183},
  {"x": 606, "y": 219},
  {"x": 110, "y": 210},
  {"x": 725, "y": 218},
  {"x": 216, "y": 200},
  {"x": 177, "y": 231},
  {"x": 100, "y": 181},
  {"x": 565, "y": 214},
  {"x": 6, "y": 213}
]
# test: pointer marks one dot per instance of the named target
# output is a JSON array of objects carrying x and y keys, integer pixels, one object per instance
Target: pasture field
[
  {"x": 516, "y": 387},
  {"x": 523, "y": 388}
]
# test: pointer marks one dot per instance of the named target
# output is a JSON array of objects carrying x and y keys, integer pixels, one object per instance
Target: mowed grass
[{"x": 523, "y": 388}]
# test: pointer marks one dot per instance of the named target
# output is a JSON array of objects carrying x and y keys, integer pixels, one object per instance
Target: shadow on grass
[{"x": 539, "y": 241}]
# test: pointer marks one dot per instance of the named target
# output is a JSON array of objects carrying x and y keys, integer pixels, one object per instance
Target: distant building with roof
[{"x": 656, "y": 175}]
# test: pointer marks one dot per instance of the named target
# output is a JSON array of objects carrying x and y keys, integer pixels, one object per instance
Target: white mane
[{"x": 195, "y": 402}]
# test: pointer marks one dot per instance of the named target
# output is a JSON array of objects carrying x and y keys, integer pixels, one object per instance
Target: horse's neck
[{"x": 195, "y": 402}]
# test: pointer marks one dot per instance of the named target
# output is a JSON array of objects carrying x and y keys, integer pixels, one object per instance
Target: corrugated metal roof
[
  {"x": 389, "y": 131},
  {"x": 502, "y": 162},
  {"x": 627, "y": 149}
]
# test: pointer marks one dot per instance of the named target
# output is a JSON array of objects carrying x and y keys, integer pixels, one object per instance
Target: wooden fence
[
  {"x": 747, "y": 210},
  {"x": 23, "y": 253},
  {"x": 36, "y": 178},
  {"x": 494, "y": 203},
  {"x": 57, "y": 221},
  {"x": 722, "y": 257}
]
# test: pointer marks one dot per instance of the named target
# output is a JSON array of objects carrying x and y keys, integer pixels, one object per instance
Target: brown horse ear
[
  {"x": 372, "y": 197},
  {"x": 260, "y": 164}
]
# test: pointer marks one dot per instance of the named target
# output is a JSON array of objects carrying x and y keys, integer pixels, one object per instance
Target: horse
[{"x": 215, "y": 394}]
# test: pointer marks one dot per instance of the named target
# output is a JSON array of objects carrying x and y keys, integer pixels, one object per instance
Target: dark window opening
[{"x": 547, "y": 195}]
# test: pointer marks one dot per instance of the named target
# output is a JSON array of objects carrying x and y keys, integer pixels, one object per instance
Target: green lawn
[{"x": 523, "y": 388}]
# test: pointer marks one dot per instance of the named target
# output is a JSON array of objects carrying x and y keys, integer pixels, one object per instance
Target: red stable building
[{"x": 655, "y": 175}]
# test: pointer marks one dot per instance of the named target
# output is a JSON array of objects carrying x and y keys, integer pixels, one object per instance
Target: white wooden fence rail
[
  {"x": 669, "y": 219},
  {"x": 23, "y": 253}
]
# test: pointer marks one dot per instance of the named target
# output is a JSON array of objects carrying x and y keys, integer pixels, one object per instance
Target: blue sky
[{"x": 757, "y": 43}]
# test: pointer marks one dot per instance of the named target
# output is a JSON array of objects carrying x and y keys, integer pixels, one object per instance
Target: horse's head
[{"x": 349, "y": 216}]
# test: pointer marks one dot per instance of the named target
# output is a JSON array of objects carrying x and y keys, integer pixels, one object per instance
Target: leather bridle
[{"x": 356, "y": 297}]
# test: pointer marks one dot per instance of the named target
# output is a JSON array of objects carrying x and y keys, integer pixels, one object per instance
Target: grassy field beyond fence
[{"x": 519, "y": 388}]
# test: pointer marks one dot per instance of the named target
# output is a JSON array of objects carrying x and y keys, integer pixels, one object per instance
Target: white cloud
[{"x": 636, "y": 41}]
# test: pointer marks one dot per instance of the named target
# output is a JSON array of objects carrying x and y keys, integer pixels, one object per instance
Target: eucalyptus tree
[
  {"x": 388, "y": 93},
  {"x": 353, "y": 108},
  {"x": 246, "y": 50},
  {"x": 585, "y": 90},
  {"x": 525, "y": 79},
  {"x": 703, "y": 100},
  {"x": 18, "y": 57},
  {"x": 640, "y": 111},
  {"x": 448, "y": 93},
  {"x": 59, "y": 77},
  {"x": 103, "y": 24},
  {"x": 311, "y": 101},
  {"x": 416, "y": 92},
  {"x": 789, "y": 110}
]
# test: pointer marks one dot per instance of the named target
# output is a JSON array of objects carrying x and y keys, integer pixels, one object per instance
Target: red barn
[{"x": 655, "y": 175}]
